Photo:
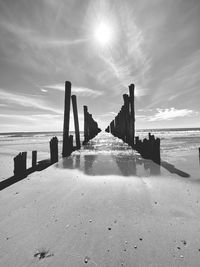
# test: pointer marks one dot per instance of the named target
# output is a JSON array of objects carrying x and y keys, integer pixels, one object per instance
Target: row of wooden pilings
[
  {"x": 20, "y": 161},
  {"x": 90, "y": 131},
  {"x": 91, "y": 128},
  {"x": 148, "y": 148},
  {"x": 123, "y": 127}
]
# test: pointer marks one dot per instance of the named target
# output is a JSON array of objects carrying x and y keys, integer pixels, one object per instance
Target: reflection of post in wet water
[
  {"x": 68, "y": 163},
  {"x": 199, "y": 155},
  {"x": 77, "y": 161},
  {"x": 152, "y": 166},
  {"x": 126, "y": 164},
  {"x": 88, "y": 163}
]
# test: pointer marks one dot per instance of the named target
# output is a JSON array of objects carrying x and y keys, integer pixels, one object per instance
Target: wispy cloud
[
  {"x": 181, "y": 84},
  {"x": 125, "y": 60},
  {"x": 81, "y": 91},
  {"x": 26, "y": 101},
  {"x": 34, "y": 38},
  {"x": 171, "y": 113}
]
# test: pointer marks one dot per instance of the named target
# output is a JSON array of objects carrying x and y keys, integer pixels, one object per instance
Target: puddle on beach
[{"x": 109, "y": 156}]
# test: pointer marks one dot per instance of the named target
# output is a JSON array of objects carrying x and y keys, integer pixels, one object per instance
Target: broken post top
[
  {"x": 125, "y": 95},
  {"x": 85, "y": 108},
  {"x": 68, "y": 84},
  {"x": 131, "y": 90},
  {"x": 126, "y": 98}
]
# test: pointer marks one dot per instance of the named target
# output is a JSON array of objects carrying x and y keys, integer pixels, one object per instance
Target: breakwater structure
[
  {"x": 123, "y": 127},
  {"x": 91, "y": 129}
]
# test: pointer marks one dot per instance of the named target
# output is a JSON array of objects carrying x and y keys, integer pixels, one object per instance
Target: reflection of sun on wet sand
[{"x": 103, "y": 206}]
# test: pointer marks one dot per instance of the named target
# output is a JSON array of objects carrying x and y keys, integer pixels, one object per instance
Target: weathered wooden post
[
  {"x": 54, "y": 149},
  {"x": 20, "y": 165},
  {"x": 70, "y": 145},
  {"x": 126, "y": 117},
  {"x": 86, "y": 137},
  {"x": 76, "y": 122},
  {"x": 157, "y": 148},
  {"x": 34, "y": 159},
  {"x": 132, "y": 112},
  {"x": 66, "y": 117}
]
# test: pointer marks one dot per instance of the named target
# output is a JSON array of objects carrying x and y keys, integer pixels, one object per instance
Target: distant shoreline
[{"x": 138, "y": 130}]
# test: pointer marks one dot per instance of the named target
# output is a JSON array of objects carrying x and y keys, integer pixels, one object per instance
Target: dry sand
[{"x": 65, "y": 217}]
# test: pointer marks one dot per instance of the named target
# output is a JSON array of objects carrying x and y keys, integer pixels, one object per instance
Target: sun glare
[{"x": 103, "y": 34}]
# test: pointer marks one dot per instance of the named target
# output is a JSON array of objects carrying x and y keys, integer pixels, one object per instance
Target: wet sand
[{"x": 98, "y": 209}]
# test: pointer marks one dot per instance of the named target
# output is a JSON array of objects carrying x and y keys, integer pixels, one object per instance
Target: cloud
[
  {"x": 81, "y": 91},
  {"x": 33, "y": 38},
  {"x": 170, "y": 114},
  {"x": 3, "y": 105},
  {"x": 43, "y": 90},
  {"x": 26, "y": 101},
  {"x": 125, "y": 61},
  {"x": 181, "y": 84}
]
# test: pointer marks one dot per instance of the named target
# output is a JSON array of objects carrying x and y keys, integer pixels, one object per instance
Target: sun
[{"x": 103, "y": 34}]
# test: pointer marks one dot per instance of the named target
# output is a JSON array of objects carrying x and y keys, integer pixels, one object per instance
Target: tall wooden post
[
  {"x": 126, "y": 117},
  {"x": 66, "y": 117},
  {"x": 76, "y": 123},
  {"x": 132, "y": 113},
  {"x": 34, "y": 159},
  {"x": 54, "y": 149},
  {"x": 85, "y": 110}
]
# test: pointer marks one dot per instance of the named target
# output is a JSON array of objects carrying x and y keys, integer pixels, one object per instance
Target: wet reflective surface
[{"x": 107, "y": 155}]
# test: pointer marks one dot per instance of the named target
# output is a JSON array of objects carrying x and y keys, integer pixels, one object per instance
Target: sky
[{"x": 153, "y": 44}]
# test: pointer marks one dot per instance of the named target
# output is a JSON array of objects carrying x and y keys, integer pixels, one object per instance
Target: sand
[{"x": 81, "y": 214}]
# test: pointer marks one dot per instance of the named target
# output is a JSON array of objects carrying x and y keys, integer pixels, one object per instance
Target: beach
[
  {"x": 178, "y": 146},
  {"x": 102, "y": 206}
]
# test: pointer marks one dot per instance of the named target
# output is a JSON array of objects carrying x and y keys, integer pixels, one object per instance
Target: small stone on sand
[
  {"x": 184, "y": 242},
  {"x": 86, "y": 259}
]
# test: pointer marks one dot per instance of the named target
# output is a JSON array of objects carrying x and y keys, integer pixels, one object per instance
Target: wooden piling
[
  {"x": 85, "y": 111},
  {"x": 54, "y": 150},
  {"x": 66, "y": 117},
  {"x": 126, "y": 118},
  {"x": 70, "y": 145},
  {"x": 76, "y": 122},
  {"x": 112, "y": 126},
  {"x": 20, "y": 165},
  {"x": 90, "y": 126},
  {"x": 132, "y": 113},
  {"x": 34, "y": 159}
]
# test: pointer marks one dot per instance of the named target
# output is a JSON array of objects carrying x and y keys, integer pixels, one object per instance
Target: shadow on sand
[
  {"x": 43, "y": 164},
  {"x": 171, "y": 168}
]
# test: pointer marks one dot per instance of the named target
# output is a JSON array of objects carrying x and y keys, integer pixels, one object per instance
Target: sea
[{"x": 179, "y": 147}]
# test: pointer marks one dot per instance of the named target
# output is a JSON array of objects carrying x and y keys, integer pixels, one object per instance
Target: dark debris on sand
[{"x": 43, "y": 254}]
